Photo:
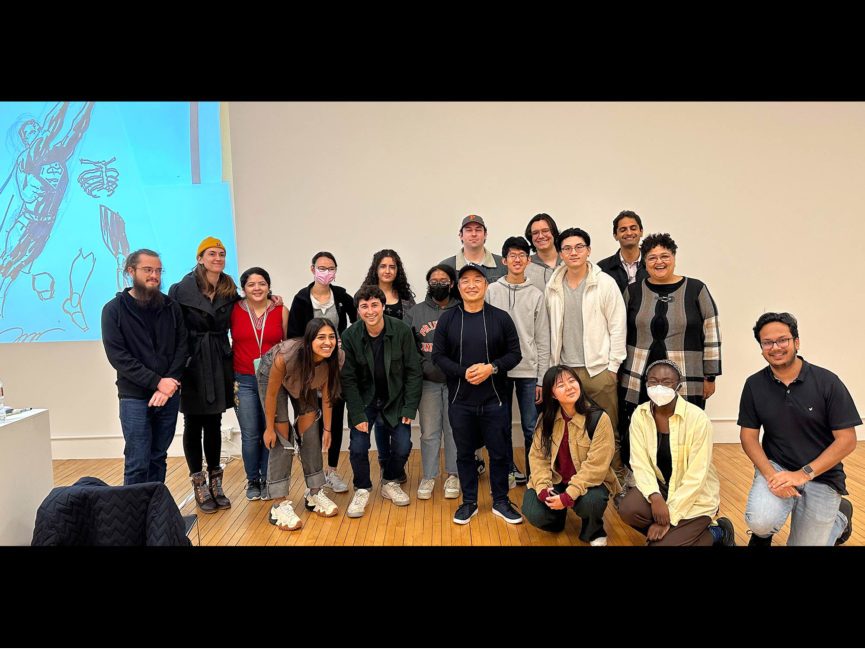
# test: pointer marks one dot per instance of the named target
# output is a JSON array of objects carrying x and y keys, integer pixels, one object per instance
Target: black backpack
[{"x": 592, "y": 420}]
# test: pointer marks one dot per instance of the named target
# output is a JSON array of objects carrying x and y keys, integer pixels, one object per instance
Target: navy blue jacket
[{"x": 502, "y": 347}]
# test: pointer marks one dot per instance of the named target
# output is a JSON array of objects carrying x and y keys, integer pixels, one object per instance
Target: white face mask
[{"x": 661, "y": 395}]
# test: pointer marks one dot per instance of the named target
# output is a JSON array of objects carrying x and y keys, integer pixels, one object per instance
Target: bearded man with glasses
[{"x": 144, "y": 335}]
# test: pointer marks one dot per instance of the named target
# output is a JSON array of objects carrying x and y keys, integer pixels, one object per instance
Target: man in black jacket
[
  {"x": 145, "y": 341},
  {"x": 626, "y": 266},
  {"x": 475, "y": 345}
]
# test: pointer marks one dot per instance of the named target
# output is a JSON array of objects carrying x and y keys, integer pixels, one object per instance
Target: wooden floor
[{"x": 428, "y": 522}]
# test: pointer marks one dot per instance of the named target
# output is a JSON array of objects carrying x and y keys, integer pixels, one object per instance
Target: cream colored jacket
[{"x": 604, "y": 326}]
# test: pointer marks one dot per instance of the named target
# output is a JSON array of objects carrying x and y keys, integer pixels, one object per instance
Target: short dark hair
[
  {"x": 132, "y": 259},
  {"x": 554, "y": 229},
  {"x": 662, "y": 239},
  {"x": 255, "y": 270},
  {"x": 784, "y": 318},
  {"x": 515, "y": 242},
  {"x": 369, "y": 292},
  {"x": 627, "y": 214},
  {"x": 573, "y": 232},
  {"x": 324, "y": 253}
]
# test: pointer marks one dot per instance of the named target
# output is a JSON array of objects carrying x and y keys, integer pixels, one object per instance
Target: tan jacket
[
  {"x": 694, "y": 489},
  {"x": 591, "y": 457}
]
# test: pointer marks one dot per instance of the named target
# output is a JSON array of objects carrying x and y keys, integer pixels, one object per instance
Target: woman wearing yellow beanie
[{"x": 206, "y": 297}]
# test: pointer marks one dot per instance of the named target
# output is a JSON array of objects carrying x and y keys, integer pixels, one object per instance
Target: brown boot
[
  {"x": 203, "y": 498},
  {"x": 222, "y": 502}
]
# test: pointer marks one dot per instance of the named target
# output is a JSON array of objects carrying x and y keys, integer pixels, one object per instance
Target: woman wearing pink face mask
[{"x": 322, "y": 299}]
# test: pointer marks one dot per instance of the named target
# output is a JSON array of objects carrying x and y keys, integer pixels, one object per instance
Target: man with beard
[{"x": 145, "y": 341}]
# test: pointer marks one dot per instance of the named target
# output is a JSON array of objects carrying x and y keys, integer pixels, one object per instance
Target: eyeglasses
[
  {"x": 517, "y": 256},
  {"x": 783, "y": 343},
  {"x": 322, "y": 269},
  {"x": 566, "y": 250},
  {"x": 667, "y": 383},
  {"x": 442, "y": 284},
  {"x": 537, "y": 233},
  {"x": 666, "y": 258},
  {"x": 148, "y": 270}
]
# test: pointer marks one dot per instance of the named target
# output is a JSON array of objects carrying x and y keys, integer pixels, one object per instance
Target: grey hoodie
[
  {"x": 525, "y": 304},
  {"x": 422, "y": 318}
]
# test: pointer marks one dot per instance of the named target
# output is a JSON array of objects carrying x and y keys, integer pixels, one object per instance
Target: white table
[{"x": 26, "y": 473}]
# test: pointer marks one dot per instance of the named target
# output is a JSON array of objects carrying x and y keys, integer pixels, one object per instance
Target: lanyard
[{"x": 258, "y": 340}]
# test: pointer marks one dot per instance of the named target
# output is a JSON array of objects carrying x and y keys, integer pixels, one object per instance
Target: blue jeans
[
  {"x": 816, "y": 519},
  {"x": 148, "y": 432},
  {"x": 525, "y": 389},
  {"x": 434, "y": 425},
  {"x": 250, "y": 416},
  {"x": 485, "y": 425},
  {"x": 394, "y": 446}
]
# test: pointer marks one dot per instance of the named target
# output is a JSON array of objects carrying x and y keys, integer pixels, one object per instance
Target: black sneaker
[
  {"x": 505, "y": 509},
  {"x": 728, "y": 537},
  {"x": 519, "y": 476},
  {"x": 480, "y": 465},
  {"x": 253, "y": 490},
  {"x": 465, "y": 513},
  {"x": 846, "y": 508},
  {"x": 759, "y": 541}
]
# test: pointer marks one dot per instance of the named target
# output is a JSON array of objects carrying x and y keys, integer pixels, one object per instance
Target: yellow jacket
[
  {"x": 694, "y": 489},
  {"x": 591, "y": 457}
]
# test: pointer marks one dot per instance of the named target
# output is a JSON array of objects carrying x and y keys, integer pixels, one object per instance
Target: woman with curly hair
[
  {"x": 670, "y": 317},
  {"x": 387, "y": 273}
]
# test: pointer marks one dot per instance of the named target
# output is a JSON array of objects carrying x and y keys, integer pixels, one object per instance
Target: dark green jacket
[{"x": 401, "y": 365}]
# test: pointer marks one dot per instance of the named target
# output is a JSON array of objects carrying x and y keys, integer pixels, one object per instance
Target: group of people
[{"x": 610, "y": 365}]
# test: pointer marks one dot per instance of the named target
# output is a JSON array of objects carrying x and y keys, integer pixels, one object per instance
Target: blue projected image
[{"x": 83, "y": 184}]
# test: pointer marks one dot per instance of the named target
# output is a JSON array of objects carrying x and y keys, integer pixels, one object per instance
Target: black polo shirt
[{"x": 798, "y": 419}]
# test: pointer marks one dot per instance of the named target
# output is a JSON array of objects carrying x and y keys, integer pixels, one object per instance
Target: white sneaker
[
  {"x": 599, "y": 542},
  {"x": 320, "y": 504},
  {"x": 393, "y": 492},
  {"x": 283, "y": 516},
  {"x": 452, "y": 487},
  {"x": 358, "y": 503},
  {"x": 425, "y": 489},
  {"x": 336, "y": 483},
  {"x": 512, "y": 481}
]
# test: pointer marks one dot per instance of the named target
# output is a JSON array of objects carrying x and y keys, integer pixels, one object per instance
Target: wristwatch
[
  {"x": 495, "y": 368},
  {"x": 710, "y": 379},
  {"x": 808, "y": 471}
]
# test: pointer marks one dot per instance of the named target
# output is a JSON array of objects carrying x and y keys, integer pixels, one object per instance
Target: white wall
[{"x": 762, "y": 199}]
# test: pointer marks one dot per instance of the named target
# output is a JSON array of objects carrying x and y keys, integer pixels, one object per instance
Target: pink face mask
[{"x": 325, "y": 277}]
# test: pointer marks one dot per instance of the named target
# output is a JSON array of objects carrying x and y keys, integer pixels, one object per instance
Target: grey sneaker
[
  {"x": 425, "y": 489},
  {"x": 265, "y": 494},
  {"x": 335, "y": 483},
  {"x": 393, "y": 492},
  {"x": 253, "y": 490},
  {"x": 452, "y": 487},
  {"x": 358, "y": 503}
]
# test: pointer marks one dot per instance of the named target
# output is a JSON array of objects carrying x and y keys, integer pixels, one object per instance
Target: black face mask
[{"x": 439, "y": 293}]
